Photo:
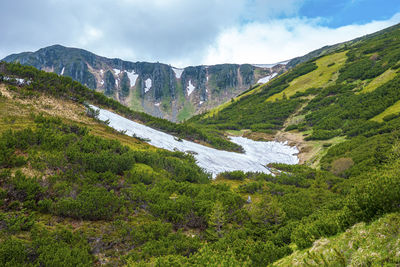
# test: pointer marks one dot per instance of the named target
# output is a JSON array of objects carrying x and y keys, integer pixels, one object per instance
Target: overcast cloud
[{"x": 179, "y": 32}]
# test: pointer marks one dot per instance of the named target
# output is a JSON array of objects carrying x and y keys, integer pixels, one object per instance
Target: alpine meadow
[{"x": 314, "y": 180}]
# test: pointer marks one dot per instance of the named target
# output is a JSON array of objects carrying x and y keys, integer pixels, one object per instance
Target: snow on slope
[
  {"x": 256, "y": 156},
  {"x": 267, "y": 78},
  {"x": 117, "y": 71},
  {"x": 190, "y": 88},
  {"x": 132, "y": 77},
  {"x": 62, "y": 71},
  {"x": 178, "y": 72},
  {"x": 148, "y": 85}
]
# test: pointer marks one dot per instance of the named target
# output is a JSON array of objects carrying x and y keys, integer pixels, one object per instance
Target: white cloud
[
  {"x": 89, "y": 35},
  {"x": 178, "y": 32},
  {"x": 279, "y": 40}
]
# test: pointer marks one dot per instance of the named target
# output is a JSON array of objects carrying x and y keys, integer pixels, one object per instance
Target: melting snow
[
  {"x": 148, "y": 85},
  {"x": 117, "y": 71},
  {"x": 178, "y": 72},
  {"x": 18, "y": 80},
  {"x": 256, "y": 156},
  {"x": 132, "y": 77},
  {"x": 190, "y": 88},
  {"x": 62, "y": 71},
  {"x": 267, "y": 78}
]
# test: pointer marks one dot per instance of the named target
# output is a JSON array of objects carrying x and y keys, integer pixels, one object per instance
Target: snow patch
[
  {"x": 257, "y": 154},
  {"x": 116, "y": 82},
  {"x": 267, "y": 78},
  {"x": 62, "y": 71},
  {"x": 101, "y": 72},
  {"x": 132, "y": 77},
  {"x": 201, "y": 102},
  {"x": 178, "y": 72},
  {"x": 102, "y": 82},
  {"x": 148, "y": 85},
  {"x": 157, "y": 104},
  {"x": 117, "y": 71},
  {"x": 18, "y": 81},
  {"x": 190, "y": 88}
]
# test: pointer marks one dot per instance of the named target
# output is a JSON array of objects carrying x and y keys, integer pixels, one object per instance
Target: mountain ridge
[{"x": 156, "y": 88}]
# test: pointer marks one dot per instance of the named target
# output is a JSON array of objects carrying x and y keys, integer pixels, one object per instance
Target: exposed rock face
[{"x": 156, "y": 88}]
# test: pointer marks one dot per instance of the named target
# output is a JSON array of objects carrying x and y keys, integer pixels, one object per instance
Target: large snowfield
[{"x": 256, "y": 156}]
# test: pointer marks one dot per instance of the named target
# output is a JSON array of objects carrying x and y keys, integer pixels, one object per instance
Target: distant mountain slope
[
  {"x": 351, "y": 90},
  {"x": 155, "y": 88},
  {"x": 332, "y": 48}
]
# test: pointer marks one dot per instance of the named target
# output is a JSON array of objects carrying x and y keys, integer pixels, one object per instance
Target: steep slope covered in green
[
  {"x": 66, "y": 88},
  {"x": 75, "y": 192},
  {"x": 347, "y": 93},
  {"x": 155, "y": 88}
]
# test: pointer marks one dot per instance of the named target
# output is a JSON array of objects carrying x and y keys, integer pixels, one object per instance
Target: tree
[
  {"x": 268, "y": 211},
  {"x": 217, "y": 218}
]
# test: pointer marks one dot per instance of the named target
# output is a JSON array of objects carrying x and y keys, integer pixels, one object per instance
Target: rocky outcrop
[{"x": 156, "y": 88}]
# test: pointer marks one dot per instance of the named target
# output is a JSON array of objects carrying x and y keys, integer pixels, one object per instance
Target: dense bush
[{"x": 90, "y": 204}]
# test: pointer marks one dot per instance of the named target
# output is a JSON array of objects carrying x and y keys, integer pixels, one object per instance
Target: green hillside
[
  {"x": 361, "y": 245},
  {"x": 75, "y": 192},
  {"x": 343, "y": 94}
]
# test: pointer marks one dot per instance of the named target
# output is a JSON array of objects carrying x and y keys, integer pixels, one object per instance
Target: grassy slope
[
  {"x": 302, "y": 200},
  {"x": 214, "y": 111},
  {"x": 360, "y": 74},
  {"x": 186, "y": 112},
  {"x": 327, "y": 67},
  {"x": 389, "y": 111},
  {"x": 361, "y": 245},
  {"x": 16, "y": 113},
  {"x": 114, "y": 236},
  {"x": 380, "y": 80}
]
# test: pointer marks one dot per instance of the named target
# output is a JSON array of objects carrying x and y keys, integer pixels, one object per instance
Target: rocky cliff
[{"x": 155, "y": 88}]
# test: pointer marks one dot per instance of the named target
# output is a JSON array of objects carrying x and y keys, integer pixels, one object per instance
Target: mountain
[
  {"x": 155, "y": 88},
  {"x": 76, "y": 192},
  {"x": 346, "y": 91}
]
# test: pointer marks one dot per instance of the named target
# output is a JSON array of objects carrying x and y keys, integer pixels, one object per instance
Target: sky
[{"x": 191, "y": 32}]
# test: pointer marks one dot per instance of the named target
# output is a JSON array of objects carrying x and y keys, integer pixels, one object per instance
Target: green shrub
[
  {"x": 14, "y": 252},
  {"x": 93, "y": 203},
  {"x": 233, "y": 175}
]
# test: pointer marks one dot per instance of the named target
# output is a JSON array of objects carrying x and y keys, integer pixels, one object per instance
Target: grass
[
  {"x": 217, "y": 109},
  {"x": 394, "y": 109},
  {"x": 320, "y": 77},
  {"x": 377, "y": 244},
  {"x": 135, "y": 100},
  {"x": 318, "y": 151},
  {"x": 237, "y": 132},
  {"x": 186, "y": 112},
  {"x": 17, "y": 113},
  {"x": 378, "y": 81}
]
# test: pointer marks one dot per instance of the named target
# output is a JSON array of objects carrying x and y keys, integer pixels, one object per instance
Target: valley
[{"x": 301, "y": 170}]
